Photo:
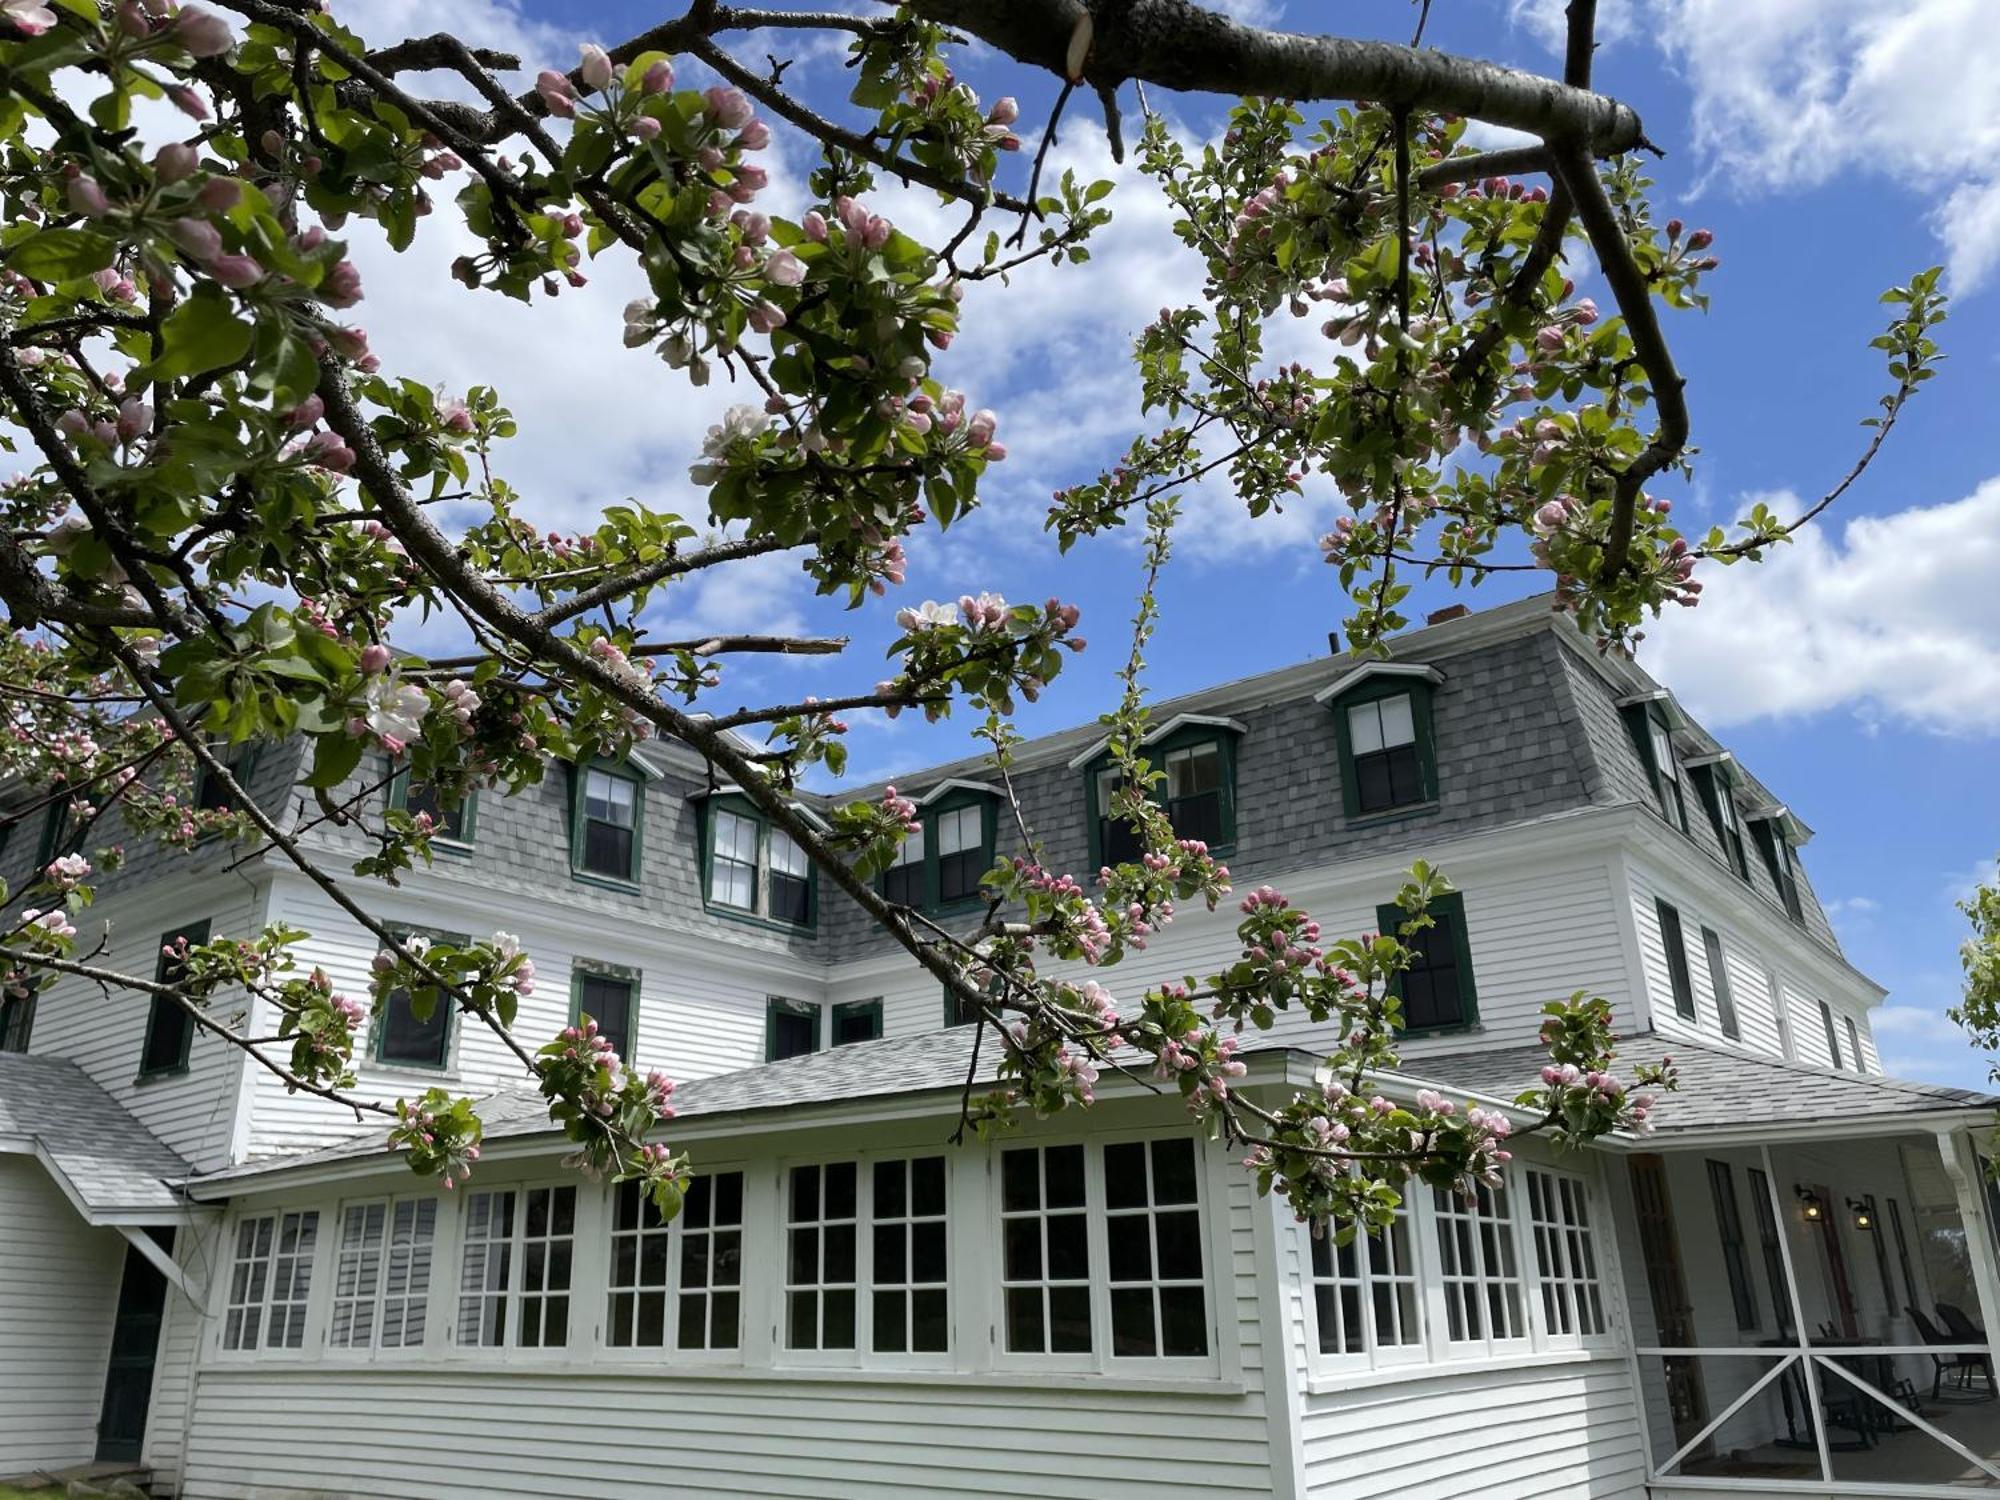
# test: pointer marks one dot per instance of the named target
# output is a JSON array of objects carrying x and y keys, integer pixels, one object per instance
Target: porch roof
[
  {"x": 109, "y": 1165},
  {"x": 1720, "y": 1088}
]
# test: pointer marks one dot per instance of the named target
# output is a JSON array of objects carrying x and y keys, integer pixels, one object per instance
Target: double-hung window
[
  {"x": 791, "y": 1028},
  {"x": 692, "y": 1301},
  {"x": 1832, "y": 1036},
  {"x": 821, "y": 1256},
  {"x": 1436, "y": 991},
  {"x": 1152, "y": 1236},
  {"x": 1565, "y": 1256},
  {"x": 857, "y": 1021},
  {"x": 1045, "y": 1250},
  {"x": 1365, "y": 1296},
  {"x": 514, "y": 1276},
  {"x": 1479, "y": 1269},
  {"x": 1382, "y": 721},
  {"x": 610, "y": 997},
  {"x": 413, "y": 1026},
  {"x": 1673, "y": 943},
  {"x": 753, "y": 868},
  {"x": 1718, "y": 795},
  {"x": 17, "y": 1016},
  {"x": 451, "y": 822},
  {"x": 866, "y": 1260},
  {"x": 1854, "y": 1045},
  {"x": 210, "y": 795},
  {"x": 962, "y": 853},
  {"x": 903, "y": 882},
  {"x": 606, "y": 819},
  {"x": 1652, "y": 736},
  {"x": 382, "y": 1274},
  {"x": 270, "y": 1281},
  {"x": 1194, "y": 771},
  {"x": 943, "y": 859},
  {"x": 1779, "y": 860},
  {"x": 170, "y": 1027}
]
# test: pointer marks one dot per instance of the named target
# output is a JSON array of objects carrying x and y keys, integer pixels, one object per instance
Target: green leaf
[
  {"x": 202, "y": 334},
  {"x": 62, "y": 254},
  {"x": 334, "y": 758}
]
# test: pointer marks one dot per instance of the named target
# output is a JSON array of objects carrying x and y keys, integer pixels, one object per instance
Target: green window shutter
[
  {"x": 1438, "y": 991},
  {"x": 169, "y": 1040},
  {"x": 1718, "y": 980},
  {"x": 791, "y": 1028},
  {"x": 1674, "y": 941},
  {"x": 857, "y": 1021},
  {"x": 1423, "y": 745}
]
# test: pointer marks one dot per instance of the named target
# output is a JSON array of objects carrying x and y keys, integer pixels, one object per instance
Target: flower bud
[
  {"x": 374, "y": 657},
  {"x": 1005, "y": 111},
  {"x": 727, "y": 107},
  {"x": 754, "y": 137},
  {"x": 659, "y": 78},
  {"x": 1701, "y": 239},
  {"x": 201, "y": 33},
  {"x": 595, "y": 68},
  {"x": 219, "y": 194},
  {"x": 176, "y": 161},
  {"x": 85, "y": 196}
]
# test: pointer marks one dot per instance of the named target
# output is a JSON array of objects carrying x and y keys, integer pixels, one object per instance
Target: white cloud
[
  {"x": 1918, "y": 1042},
  {"x": 1895, "y": 618}
]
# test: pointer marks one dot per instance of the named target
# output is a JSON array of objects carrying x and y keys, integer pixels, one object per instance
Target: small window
[
  {"x": 605, "y": 841},
  {"x": 857, "y": 1021},
  {"x": 61, "y": 832},
  {"x": 791, "y": 1028},
  {"x": 210, "y": 795},
  {"x": 402, "y": 1038},
  {"x": 1735, "y": 1252},
  {"x": 1045, "y": 1250},
  {"x": 1478, "y": 1266},
  {"x": 1387, "y": 772},
  {"x": 1365, "y": 1291},
  {"x": 270, "y": 1281},
  {"x": 697, "y": 1299},
  {"x": 1653, "y": 738},
  {"x": 958, "y": 1011},
  {"x": 17, "y": 1017},
  {"x": 821, "y": 1269},
  {"x": 1196, "y": 789},
  {"x": 610, "y": 998},
  {"x": 754, "y": 868},
  {"x": 962, "y": 856},
  {"x": 169, "y": 1026},
  {"x": 903, "y": 881},
  {"x": 1718, "y": 794},
  {"x": 1854, "y": 1044},
  {"x": 1832, "y": 1037},
  {"x": 907, "y": 1277},
  {"x": 1673, "y": 941},
  {"x": 1774, "y": 1252},
  {"x": 514, "y": 1282},
  {"x": 1565, "y": 1255},
  {"x": 1436, "y": 990},
  {"x": 1778, "y": 859},
  {"x": 1117, "y": 839},
  {"x": 451, "y": 822},
  {"x": 791, "y": 882},
  {"x": 1718, "y": 981},
  {"x": 382, "y": 1274},
  {"x": 1152, "y": 1237}
]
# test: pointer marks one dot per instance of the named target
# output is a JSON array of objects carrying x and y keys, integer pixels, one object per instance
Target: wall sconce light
[
  {"x": 1810, "y": 1206},
  {"x": 1864, "y": 1216}
]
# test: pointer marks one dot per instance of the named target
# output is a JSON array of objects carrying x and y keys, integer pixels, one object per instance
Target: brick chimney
[{"x": 1449, "y": 612}]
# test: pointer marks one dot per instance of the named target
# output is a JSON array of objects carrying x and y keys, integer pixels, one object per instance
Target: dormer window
[
  {"x": 451, "y": 822},
  {"x": 1195, "y": 757},
  {"x": 1647, "y": 718},
  {"x": 1382, "y": 721},
  {"x": 941, "y": 863},
  {"x": 753, "y": 868},
  {"x": 607, "y": 811},
  {"x": 1775, "y": 844},
  {"x": 1718, "y": 795}
]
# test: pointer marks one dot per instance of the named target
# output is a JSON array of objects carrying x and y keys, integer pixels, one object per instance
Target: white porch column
[{"x": 1961, "y": 1165}]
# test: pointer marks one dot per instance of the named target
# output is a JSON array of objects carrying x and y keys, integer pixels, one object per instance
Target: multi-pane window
[
  {"x": 1667, "y": 775},
  {"x": 1117, "y": 840},
  {"x": 607, "y": 831},
  {"x": 1477, "y": 1265},
  {"x": 755, "y": 868},
  {"x": 1365, "y": 1291},
  {"x": 1382, "y": 740},
  {"x": 907, "y": 1270},
  {"x": 961, "y": 853},
  {"x": 270, "y": 1281},
  {"x": 1194, "y": 791},
  {"x": 791, "y": 880},
  {"x": 903, "y": 881},
  {"x": 1437, "y": 989},
  {"x": 1152, "y": 1238},
  {"x": 1735, "y": 1251},
  {"x": 1673, "y": 941},
  {"x": 694, "y": 1299},
  {"x": 382, "y": 1274},
  {"x": 1045, "y": 1250},
  {"x": 1832, "y": 1036},
  {"x": 607, "y": 999},
  {"x": 1565, "y": 1257},
  {"x": 1728, "y": 822},
  {"x": 820, "y": 1256},
  {"x": 1193, "y": 788},
  {"x": 1718, "y": 980},
  {"x": 732, "y": 879},
  {"x": 1778, "y": 859},
  {"x": 169, "y": 1025},
  {"x": 449, "y": 820},
  {"x": 514, "y": 1281}
]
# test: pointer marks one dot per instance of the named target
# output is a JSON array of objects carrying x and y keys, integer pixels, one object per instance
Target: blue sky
[{"x": 1833, "y": 148}]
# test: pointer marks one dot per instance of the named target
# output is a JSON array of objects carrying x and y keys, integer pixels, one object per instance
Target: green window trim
[
  {"x": 1451, "y": 907},
  {"x": 955, "y": 1010},
  {"x": 759, "y": 913},
  {"x": 1420, "y": 691},
  {"x": 1777, "y": 852},
  {"x": 578, "y": 823},
  {"x": 1673, "y": 941},
  {"x": 588, "y": 968},
  {"x": 196, "y": 933},
  {"x": 1718, "y": 791},
  {"x": 933, "y": 885},
  {"x": 867, "y": 1012},
  {"x": 468, "y": 823},
  {"x": 778, "y": 1005},
  {"x": 1154, "y": 757},
  {"x": 241, "y": 761},
  {"x": 378, "y": 1026},
  {"x": 1670, "y": 791},
  {"x": 57, "y": 836},
  {"x": 17, "y": 1019}
]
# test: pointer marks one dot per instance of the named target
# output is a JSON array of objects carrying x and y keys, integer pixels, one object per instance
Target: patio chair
[{"x": 1960, "y": 1364}]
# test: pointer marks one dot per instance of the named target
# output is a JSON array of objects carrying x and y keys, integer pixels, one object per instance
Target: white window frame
[
  {"x": 716, "y": 858},
  {"x": 582, "y": 1234},
  {"x": 1100, "y": 1360},
  {"x": 1573, "y": 1286},
  {"x": 676, "y": 1234},
  {"x": 376, "y": 1302},
  {"x": 1369, "y": 1250},
  {"x": 266, "y": 1298},
  {"x": 1373, "y": 709},
  {"x": 1482, "y": 1276},
  {"x": 864, "y": 1355}
]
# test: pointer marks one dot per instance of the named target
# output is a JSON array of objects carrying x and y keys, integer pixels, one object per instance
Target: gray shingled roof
[
  {"x": 1719, "y": 1088},
  {"x": 111, "y": 1161}
]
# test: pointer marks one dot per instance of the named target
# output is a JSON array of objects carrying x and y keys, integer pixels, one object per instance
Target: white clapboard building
[{"x": 1787, "y": 1289}]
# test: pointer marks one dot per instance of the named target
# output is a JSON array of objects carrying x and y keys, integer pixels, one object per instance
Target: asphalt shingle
[{"x": 112, "y": 1161}]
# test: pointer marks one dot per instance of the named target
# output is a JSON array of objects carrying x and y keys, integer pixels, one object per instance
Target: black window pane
[
  {"x": 856, "y": 1023},
  {"x": 625, "y": 1206},
  {"x": 790, "y": 898},
  {"x": 839, "y": 1252},
  {"x": 1373, "y": 788},
  {"x": 1118, "y": 840},
  {"x": 1069, "y": 1248},
  {"x": 891, "y": 1255},
  {"x": 167, "y": 1037},
  {"x": 1431, "y": 984},
  {"x": 1183, "y": 1322},
  {"x": 728, "y": 1197},
  {"x": 1128, "y": 1240},
  {"x": 696, "y": 1204},
  {"x": 904, "y": 884},
  {"x": 802, "y": 1320},
  {"x": 1173, "y": 1172},
  {"x": 840, "y": 1190},
  {"x": 1132, "y": 1321},
  {"x": 692, "y": 1330},
  {"x": 929, "y": 1326},
  {"x": 694, "y": 1260},
  {"x": 447, "y": 819},
  {"x": 891, "y": 1335},
  {"x": 1125, "y": 1175},
  {"x": 805, "y": 1255},
  {"x": 890, "y": 1177},
  {"x": 405, "y": 1039},
  {"x": 927, "y": 1252},
  {"x": 1179, "y": 1237},
  {"x": 723, "y": 1321},
  {"x": 1065, "y": 1176},
  {"x": 959, "y": 873},
  {"x": 1024, "y": 1320},
  {"x": 1198, "y": 816},
  {"x": 1020, "y": 1181},
  {"x": 927, "y": 1185},
  {"x": 791, "y": 1034},
  {"x": 1069, "y": 1320},
  {"x": 1021, "y": 1241},
  {"x": 839, "y": 1320},
  {"x": 607, "y": 849},
  {"x": 608, "y": 1002}
]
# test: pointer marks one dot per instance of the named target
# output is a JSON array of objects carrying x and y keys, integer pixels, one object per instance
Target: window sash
[
  {"x": 1046, "y": 1262},
  {"x": 448, "y": 820},
  {"x": 1152, "y": 1226},
  {"x": 607, "y": 1000},
  {"x": 270, "y": 1282},
  {"x": 517, "y": 1267},
  {"x": 1367, "y": 1301},
  {"x": 1479, "y": 1268},
  {"x": 1566, "y": 1266},
  {"x": 17, "y": 1021},
  {"x": 1673, "y": 943},
  {"x": 1381, "y": 724},
  {"x": 676, "y": 1285},
  {"x": 1718, "y": 981},
  {"x": 1832, "y": 1036},
  {"x": 822, "y": 1257},
  {"x": 382, "y": 1274}
]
